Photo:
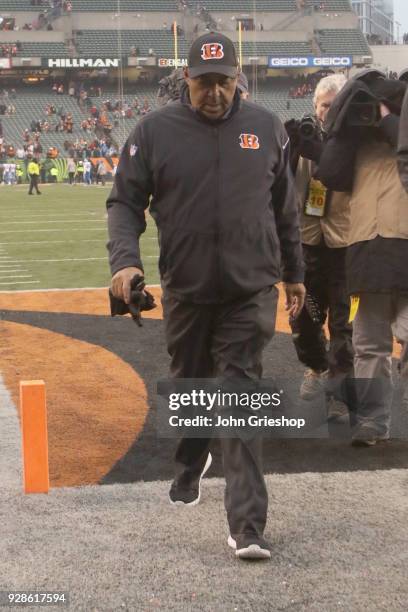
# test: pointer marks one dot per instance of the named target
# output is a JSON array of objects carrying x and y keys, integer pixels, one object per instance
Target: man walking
[
  {"x": 224, "y": 203},
  {"x": 87, "y": 172},
  {"x": 325, "y": 221},
  {"x": 34, "y": 174}
]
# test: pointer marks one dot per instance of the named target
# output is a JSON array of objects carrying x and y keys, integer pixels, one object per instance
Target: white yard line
[
  {"x": 71, "y": 259},
  {"x": 20, "y": 283},
  {"x": 45, "y": 213},
  {"x": 58, "y": 260},
  {"x": 19, "y": 276},
  {"x": 55, "y": 241},
  {"x": 65, "y": 289},
  {"x": 25, "y": 231},
  {"x": 56, "y": 221}
]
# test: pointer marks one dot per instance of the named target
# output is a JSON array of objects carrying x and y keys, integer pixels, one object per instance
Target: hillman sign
[
  {"x": 310, "y": 61},
  {"x": 80, "y": 62}
]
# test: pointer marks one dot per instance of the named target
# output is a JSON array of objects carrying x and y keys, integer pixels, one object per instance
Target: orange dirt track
[{"x": 95, "y": 411}]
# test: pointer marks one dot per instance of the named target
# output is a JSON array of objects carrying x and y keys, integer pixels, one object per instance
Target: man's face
[
  {"x": 212, "y": 93},
  {"x": 323, "y": 104}
]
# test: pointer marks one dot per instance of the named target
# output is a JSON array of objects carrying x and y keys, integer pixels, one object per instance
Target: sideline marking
[{"x": 10, "y": 440}]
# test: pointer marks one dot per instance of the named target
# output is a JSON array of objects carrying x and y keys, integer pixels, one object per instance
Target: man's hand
[
  {"x": 384, "y": 111},
  {"x": 120, "y": 284},
  {"x": 295, "y": 298}
]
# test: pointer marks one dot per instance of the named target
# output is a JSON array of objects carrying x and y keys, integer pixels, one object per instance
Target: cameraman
[
  {"x": 403, "y": 144},
  {"x": 361, "y": 157},
  {"x": 324, "y": 230}
]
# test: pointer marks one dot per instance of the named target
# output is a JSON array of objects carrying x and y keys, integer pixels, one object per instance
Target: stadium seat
[
  {"x": 42, "y": 49},
  {"x": 334, "y": 42},
  {"x": 101, "y": 43}
]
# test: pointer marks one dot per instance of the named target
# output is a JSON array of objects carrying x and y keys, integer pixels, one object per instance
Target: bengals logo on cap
[
  {"x": 249, "y": 141},
  {"x": 211, "y": 51}
]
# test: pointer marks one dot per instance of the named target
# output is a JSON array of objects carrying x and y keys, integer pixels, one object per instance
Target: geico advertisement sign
[{"x": 310, "y": 62}]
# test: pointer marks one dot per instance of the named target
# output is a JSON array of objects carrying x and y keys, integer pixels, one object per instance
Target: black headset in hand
[{"x": 140, "y": 299}]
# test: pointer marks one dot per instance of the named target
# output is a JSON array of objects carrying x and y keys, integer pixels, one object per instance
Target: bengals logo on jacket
[
  {"x": 249, "y": 141},
  {"x": 211, "y": 51}
]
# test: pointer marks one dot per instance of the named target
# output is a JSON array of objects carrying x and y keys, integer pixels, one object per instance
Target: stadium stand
[
  {"x": 274, "y": 95},
  {"x": 276, "y": 48},
  {"x": 335, "y": 41},
  {"x": 99, "y": 43},
  {"x": 173, "y": 5},
  {"x": 40, "y": 49},
  {"x": 31, "y": 106},
  {"x": 274, "y": 5},
  {"x": 103, "y": 5}
]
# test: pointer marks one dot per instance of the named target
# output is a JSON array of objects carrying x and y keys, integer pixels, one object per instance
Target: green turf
[{"x": 44, "y": 238}]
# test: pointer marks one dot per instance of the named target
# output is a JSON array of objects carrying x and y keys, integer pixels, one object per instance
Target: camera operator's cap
[
  {"x": 403, "y": 75},
  {"x": 242, "y": 84},
  {"x": 212, "y": 52}
]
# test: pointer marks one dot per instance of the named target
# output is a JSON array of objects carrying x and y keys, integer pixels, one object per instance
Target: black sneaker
[
  {"x": 186, "y": 489},
  {"x": 250, "y": 547},
  {"x": 337, "y": 412},
  {"x": 365, "y": 435}
]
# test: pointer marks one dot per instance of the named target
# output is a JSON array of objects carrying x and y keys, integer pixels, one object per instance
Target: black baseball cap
[{"x": 212, "y": 52}]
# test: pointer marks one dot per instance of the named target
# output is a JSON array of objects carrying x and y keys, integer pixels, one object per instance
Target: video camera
[{"x": 309, "y": 127}]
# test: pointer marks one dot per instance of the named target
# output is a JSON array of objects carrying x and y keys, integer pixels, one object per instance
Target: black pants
[
  {"x": 206, "y": 341},
  {"x": 33, "y": 183},
  {"x": 325, "y": 281},
  {"x": 71, "y": 176}
]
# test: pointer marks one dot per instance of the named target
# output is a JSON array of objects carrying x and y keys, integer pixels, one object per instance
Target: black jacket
[
  {"x": 403, "y": 144},
  {"x": 225, "y": 212}
]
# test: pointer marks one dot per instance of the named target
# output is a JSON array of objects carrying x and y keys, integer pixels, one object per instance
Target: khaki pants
[{"x": 380, "y": 316}]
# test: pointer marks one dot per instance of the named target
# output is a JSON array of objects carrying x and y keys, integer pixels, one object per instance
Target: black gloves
[{"x": 140, "y": 299}]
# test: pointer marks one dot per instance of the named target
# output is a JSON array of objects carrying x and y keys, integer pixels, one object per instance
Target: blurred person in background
[{"x": 325, "y": 220}]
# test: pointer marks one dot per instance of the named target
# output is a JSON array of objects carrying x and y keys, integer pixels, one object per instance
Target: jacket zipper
[{"x": 217, "y": 236}]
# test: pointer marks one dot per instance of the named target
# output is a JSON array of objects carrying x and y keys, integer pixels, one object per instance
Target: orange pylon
[{"x": 35, "y": 436}]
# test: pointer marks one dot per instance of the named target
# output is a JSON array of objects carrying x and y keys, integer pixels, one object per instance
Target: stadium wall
[
  {"x": 128, "y": 21},
  {"x": 21, "y": 18},
  {"x": 32, "y": 36},
  {"x": 390, "y": 57}
]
